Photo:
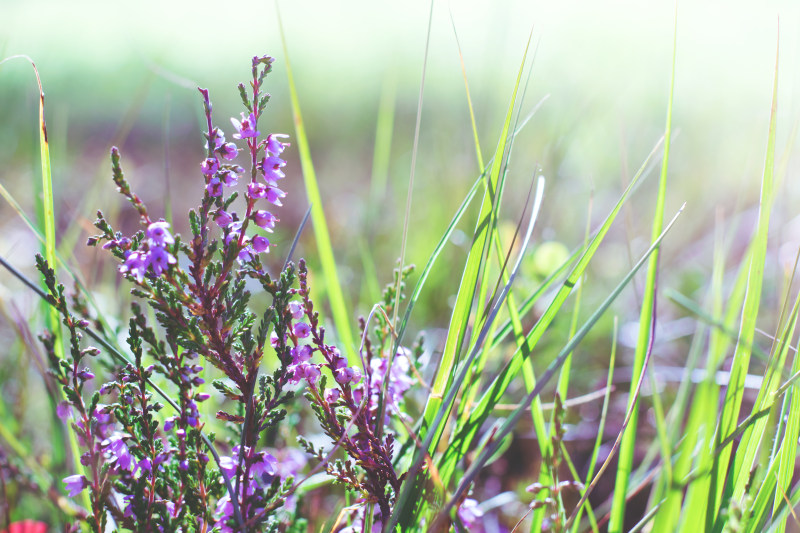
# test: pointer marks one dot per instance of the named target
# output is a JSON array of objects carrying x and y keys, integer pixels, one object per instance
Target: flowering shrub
[{"x": 148, "y": 472}]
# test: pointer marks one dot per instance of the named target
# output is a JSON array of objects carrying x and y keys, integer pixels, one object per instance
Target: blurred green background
[{"x": 127, "y": 75}]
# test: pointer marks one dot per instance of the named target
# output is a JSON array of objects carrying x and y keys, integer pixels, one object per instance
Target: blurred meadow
[{"x": 126, "y": 75}]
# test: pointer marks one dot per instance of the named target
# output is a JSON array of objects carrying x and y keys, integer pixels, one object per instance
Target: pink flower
[
  {"x": 264, "y": 220},
  {"x": 246, "y": 128},
  {"x": 274, "y": 146}
]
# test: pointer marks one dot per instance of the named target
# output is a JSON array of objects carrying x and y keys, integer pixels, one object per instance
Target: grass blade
[
  {"x": 333, "y": 286},
  {"x": 741, "y": 357},
  {"x": 624, "y": 466},
  {"x": 512, "y": 420}
]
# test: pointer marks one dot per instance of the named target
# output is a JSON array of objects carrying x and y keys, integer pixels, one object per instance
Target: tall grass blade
[
  {"x": 401, "y": 510},
  {"x": 333, "y": 286},
  {"x": 741, "y": 356},
  {"x": 624, "y": 466}
]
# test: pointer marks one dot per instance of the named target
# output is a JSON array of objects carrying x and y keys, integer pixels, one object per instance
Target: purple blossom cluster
[
  {"x": 155, "y": 255},
  {"x": 262, "y": 185}
]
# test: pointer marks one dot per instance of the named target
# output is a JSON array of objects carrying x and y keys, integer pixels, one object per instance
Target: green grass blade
[
  {"x": 466, "y": 292},
  {"x": 551, "y": 370},
  {"x": 421, "y": 452},
  {"x": 625, "y": 464},
  {"x": 47, "y": 212},
  {"x": 464, "y": 434},
  {"x": 741, "y": 357},
  {"x": 333, "y": 287}
]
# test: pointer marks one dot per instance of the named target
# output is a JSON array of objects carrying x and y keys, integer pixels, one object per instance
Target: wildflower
[
  {"x": 256, "y": 190},
  {"x": 85, "y": 375},
  {"x": 228, "y": 465},
  {"x": 470, "y": 514},
  {"x": 264, "y": 220},
  {"x": 158, "y": 234},
  {"x": 222, "y": 218},
  {"x": 260, "y": 244},
  {"x": 214, "y": 187},
  {"x": 75, "y": 484},
  {"x": 118, "y": 451},
  {"x": 331, "y": 395},
  {"x": 274, "y": 195},
  {"x": 209, "y": 166},
  {"x": 160, "y": 259},
  {"x": 271, "y": 168},
  {"x": 312, "y": 374},
  {"x": 274, "y": 146},
  {"x": 246, "y": 128},
  {"x": 218, "y": 137},
  {"x": 301, "y": 329},
  {"x": 135, "y": 264},
  {"x": 265, "y": 468},
  {"x": 229, "y": 177},
  {"x": 301, "y": 354},
  {"x": 228, "y": 151}
]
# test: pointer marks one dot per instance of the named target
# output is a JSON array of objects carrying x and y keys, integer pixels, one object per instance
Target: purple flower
[
  {"x": 274, "y": 195},
  {"x": 158, "y": 234},
  {"x": 256, "y": 189},
  {"x": 214, "y": 187},
  {"x": 331, "y": 395},
  {"x": 75, "y": 484},
  {"x": 169, "y": 423},
  {"x": 245, "y": 255},
  {"x": 228, "y": 465},
  {"x": 264, "y": 220},
  {"x": 218, "y": 137},
  {"x": 229, "y": 177},
  {"x": 301, "y": 354},
  {"x": 160, "y": 260},
  {"x": 209, "y": 166},
  {"x": 64, "y": 410},
  {"x": 246, "y": 128},
  {"x": 85, "y": 375},
  {"x": 144, "y": 465},
  {"x": 135, "y": 264},
  {"x": 312, "y": 374},
  {"x": 228, "y": 151},
  {"x": 271, "y": 168},
  {"x": 301, "y": 329},
  {"x": 273, "y": 339},
  {"x": 470, "y": 514},
  {"x": 222, "y": 218},
  {"x": 118, "y": 451},
  {"x": 266, "y": 467},
  {"x": 260, "y": 244},
  {"x": 274, "y": 146},
  {"x": 296, "y": 309}
]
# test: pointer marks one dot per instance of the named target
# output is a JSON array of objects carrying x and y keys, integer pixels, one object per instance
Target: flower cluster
[{"x": 155, "y": 255}]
